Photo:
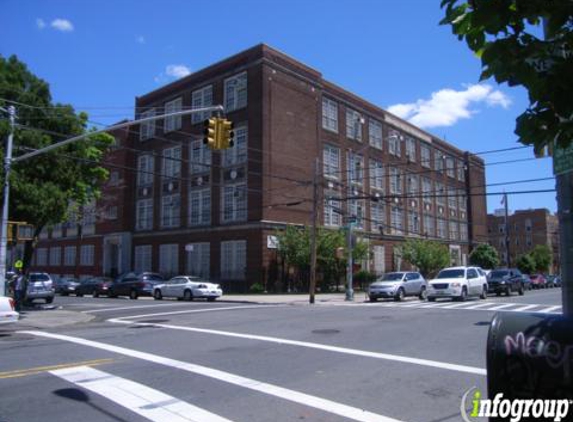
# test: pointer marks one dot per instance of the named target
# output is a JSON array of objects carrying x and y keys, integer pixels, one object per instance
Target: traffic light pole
[
  {"x": 315, "y": 202},
  {"x": 8, "y": 160},
  {"x": 6, "y": 196}
]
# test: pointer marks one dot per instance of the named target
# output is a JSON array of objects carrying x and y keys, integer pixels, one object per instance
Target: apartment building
[
  {"x": 182, "y": 208},
  {"x": 525, "y": 229}
]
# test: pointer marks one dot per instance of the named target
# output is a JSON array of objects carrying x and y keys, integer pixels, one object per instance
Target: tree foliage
[
  {"x": 428, "y": 256},
  {"x": 44, "y": 187},
  {"x": 484, "y": 256},
  {"x": 526, "y": 264},
  {"x": 507, "y": 35},
  {"x": 542, "y": 257}
]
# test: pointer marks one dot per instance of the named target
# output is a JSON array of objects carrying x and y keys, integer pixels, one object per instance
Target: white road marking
[
  {"x": 262, "y": 387},
  {"x": 194, "y": 311},
  {"x": 318, "y": 346},
  {"x": 524, "y": 308},
  {"x": 548, "y": 310},
  {"x": 124, "y": 308},
  {"x": 505, "y": 305},
  {"x": 410, "y": 305},
  {"x": 479, "y": 305},
  {"x": 455, "y": 305},
  {"x": 138, "y": 398}
]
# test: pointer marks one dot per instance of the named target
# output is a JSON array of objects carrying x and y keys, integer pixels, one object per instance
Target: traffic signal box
[
  {"x": 218, "y": 133},
  {"x": 19, "y": 231}
]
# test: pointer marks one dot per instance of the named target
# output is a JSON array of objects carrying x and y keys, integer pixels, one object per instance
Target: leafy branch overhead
[{"x": 527, "y": 43}]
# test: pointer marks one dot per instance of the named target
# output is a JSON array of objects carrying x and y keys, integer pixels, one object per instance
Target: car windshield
[
  {"x": 451, "y": 274},
  {"x": 39, "y": 277},
  {"x": 393, "y": 277},
  {"x": 498, "y": 274}
]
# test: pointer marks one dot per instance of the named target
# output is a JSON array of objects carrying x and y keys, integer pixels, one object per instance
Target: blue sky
[{"x": 99, "y": 55}]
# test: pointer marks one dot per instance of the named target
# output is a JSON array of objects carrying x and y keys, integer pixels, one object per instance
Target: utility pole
[
  {"x": 564, "y": 184},
  {"x": 506, "y": 231},
  {"x": 315, "y": 204},
  {"x": 6, "y": 194},
  {"x": 349, "y": 289}
]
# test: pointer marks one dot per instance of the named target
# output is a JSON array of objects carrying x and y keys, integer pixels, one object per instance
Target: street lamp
[{"x": 6, "y": 193}]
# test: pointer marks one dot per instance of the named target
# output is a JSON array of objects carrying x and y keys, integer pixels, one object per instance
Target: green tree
[
  {"x": 507, "y": 36},
  {"x": 484, "y": 256},
  {"x": 428, "y": 256},
  {"x": 526, "y": 264},
  {"x": 542, "y": 257},
  {"x": 44, "y": 187}
]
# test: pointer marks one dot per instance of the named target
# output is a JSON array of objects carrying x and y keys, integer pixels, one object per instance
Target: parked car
[
  {"x": 398, "y": 285},
  {"x": 505, "y": 280},
  {"x": 103, "y": 287},
  {"x": 8, "y": 314},
  {"x": 87, "y": 286},
  {"x": 550, "y": 280},
  {"x": 187, "y": 287},
  {"x": 538, "y": 281},
  {"x": 458, "y": 283},
  {"x": 66, "y": 286},
  {"x": 557, "y": 281},
  {"x": 135, "y": 285},
  {"x": 526, "y": 280},
  {"x": 40, "y": 286}
]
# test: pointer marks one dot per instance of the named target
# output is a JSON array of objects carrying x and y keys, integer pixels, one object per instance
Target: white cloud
[
  {"x": 140, "y": 39},
  {"x": 447, "y": 106},
  {"x": 40, "y": 23},
  {"x": 63, "y": 25},
  {"x": 177, "y": 70}
]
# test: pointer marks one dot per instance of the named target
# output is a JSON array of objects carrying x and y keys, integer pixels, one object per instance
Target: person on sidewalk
[{"x": 19, "y": 290}]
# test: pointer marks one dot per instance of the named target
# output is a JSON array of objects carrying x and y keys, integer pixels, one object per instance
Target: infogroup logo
[{"x": 516, "y": 409}]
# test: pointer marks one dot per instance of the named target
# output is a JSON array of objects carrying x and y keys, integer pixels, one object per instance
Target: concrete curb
[{"x": 50, "y": 318}]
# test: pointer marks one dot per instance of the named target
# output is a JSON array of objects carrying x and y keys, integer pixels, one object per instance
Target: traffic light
[
  {"x": 210, "y": 133},
  {"x": 227, "y": 133}
]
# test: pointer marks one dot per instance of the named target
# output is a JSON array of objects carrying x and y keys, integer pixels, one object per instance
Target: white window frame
[
  {"x": 169, "y": 259},
  {"x": 377, "y": 215},
  {"x": 429, "y": 225},
  {"x": 70, "y": 256},
  {"x": 413, "y": 185},
  {"x": 170, "y": 211},
  {"x": 461, "y": 171},
  {"x": 87, "y": 255},
  {"x": 202, "y": 97},
  {"x": 198, "y": 259},
  {"x": 355, "y": 168},
  {"x": 329, "y": 115},
  {"x": 172, "y": 123},
  {"x": 234, "y": 202},
  {"x": 413, "y": 222},
  {"x": 441, "y": 228},
  {"x": 142, "y": 258},
  {"x": 453, "y": 230},
  {"x": 331, "y": 161},
  {"x": 199, "y": 207},
  {"x": 144, "y": 214},
  {"x": 234, "y": 260},
  {"x": 395, "y": 181},
  {"x": 452, "y": 199},
  {"x": 55, "y": 256},
  {"x": 450, "y": 166},
  {"x": 439, "y": 161},
  {"x": 199, "y": 157},
  {"x": 375, "y": 134},
  {"x": 394, "y": 142},
  {"x": 147, "y": 129},
  {"x": 377, "y": 180},
  {"x": 396, "y": 220},
  {"x": 354, "y": 121},
  {"x": 440, "y": 193},
  {"x": 236, "y": 92},
  {"x": 42, "y": 256},
  {"x": 238, "y": 154},
  {"x": 145, "y": 169},
  {"x": 356, "y": 209},
  {"x": 425, "y": 156},
  {"x": 411, "y": 149},
  {"x": 427, "y": 192},
  {"x": 171, "y": 162},
  {"x": 331, "y": 217}
]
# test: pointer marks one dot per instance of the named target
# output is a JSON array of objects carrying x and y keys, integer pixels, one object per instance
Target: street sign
[
  {"x": 18, "y": 264},
  {"x": 562, "y": 160}
]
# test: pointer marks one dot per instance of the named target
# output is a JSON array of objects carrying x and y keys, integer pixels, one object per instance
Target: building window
[
  {"x": 463, "y": 232},
  {"x": 427, "y": 190},
  {"x": 142, "y": 258},
  {"x": 450, "y": 170},
  {"x": 236, "y": 92},
  {"x": 234, "y": 203},
  {"x": 144, "y": 214},
  {"x": 145, "y": 170},
  {"x": 89, "y": 218},
  {"x": 111, "y": 212},
  {"x": 528, "y": 225},
  {"x": 169, "y": 259},
  {"x": 452, "y": 199},
  {"x": 462, "y": 200},
  {"x": 331, "y": 161},
  {"x": 396, "y": 221},
  {"x": 238, "y": 154},
  {"x": 376, "y": 175},
  {"x": 439, "y": 161},
  {"x": 69, "y": 256},
  {"x": 440, "y": 194},
  {"x": 375, "y": 133},
  {"x": 172, "y": 162},
  {"x": 377, "y": 216},
  {"x": 332, "y": 216},
  {"x": 453, "y": 230},
  {"x": 170, "y": 210},
  {"x": 413, "y": 222},
  {"x": 425, "y": 159},
  {"x": 234, "y": 260},
  {"x": 199, "y": 157},
  {"x": 329, "y": 115},
  {"x": 394, "y": 139},
  {"x": 87, "y": 255},
  {"x": 201, "y": 98},
  {"x": 42, "y": 256},
  {"x": 173, "y": 122},
  {"x": 461, "y": 172},
  {"x": 57, "y": 231},
  {"x": 198, "y": 261},
  {"x": 429, "y": 225},
  {"x": 441, "y": 228},
  {"x": 199, "y": 207},
  {"x": 147, "y": 129},
  {"x": 411, "y": 149},
  {"x": 395, "y": 181},
  {"x": 412, "y": 185},
  {"x": 357, "y": 210},
  {"x": 354, "y": 122},
  {"x": 355, "y": 167},
  {"x": 55, "y": 256}
]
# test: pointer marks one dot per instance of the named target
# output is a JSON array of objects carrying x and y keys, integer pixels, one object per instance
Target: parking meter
[{"x": 530, "y": 356}]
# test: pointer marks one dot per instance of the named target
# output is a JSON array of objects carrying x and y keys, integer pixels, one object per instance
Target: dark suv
[
  {"x": 135, "y": 285},
  {"x": 505, "y": 280}
]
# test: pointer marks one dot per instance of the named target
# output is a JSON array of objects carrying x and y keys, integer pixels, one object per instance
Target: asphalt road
[{"x": 171, "y": 361}]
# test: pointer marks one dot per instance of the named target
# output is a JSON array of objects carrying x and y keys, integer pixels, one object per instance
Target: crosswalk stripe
[
  {"x": 524, "y": 308},
  {"x": 456, "y": 305},
  {"x": 505, "y": 305},
  {"x": 479, "y": 305},
  {"x": 145, "y": 401},
  {"x": 549, "y": 309},
  {"x": 325, "y": 405}
]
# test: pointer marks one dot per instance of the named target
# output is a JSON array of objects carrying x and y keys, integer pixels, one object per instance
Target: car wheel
[
  {"x": 464, "y": 295},
  {"x": 157, "y": 295},
  {"x": 187, "y": 295},
  {"x": 79, "y": 294},
  {"x": 49, "y": 299},
  {"x": 423, "y": 293},
  {"x": 521, "y": 290},
  {"x": 508, "y": 291},
  {"x": 96, "y": 294},
  {"x": 483, "y": 293},
  {"x": 373, "y": 299},
  {"x": 133, "y": 294},
  {"x": 399, "y": 295},
  {"x": 431, "y": 299}
]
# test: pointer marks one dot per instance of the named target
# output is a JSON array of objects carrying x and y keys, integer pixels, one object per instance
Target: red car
[{"x": 538, "y": 281}]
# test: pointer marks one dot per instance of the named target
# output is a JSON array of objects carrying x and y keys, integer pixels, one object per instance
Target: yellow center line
[{"x": 40, "y": 369}]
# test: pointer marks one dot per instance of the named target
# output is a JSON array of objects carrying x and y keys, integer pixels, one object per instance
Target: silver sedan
[{"x": 187, "y": 287}]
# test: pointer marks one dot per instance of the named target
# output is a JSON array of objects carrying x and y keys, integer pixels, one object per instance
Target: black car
[
  {"x": 66, "y": 286},
  {"x": 135, "y": 285},
  {"x": 505, "y": 280}
]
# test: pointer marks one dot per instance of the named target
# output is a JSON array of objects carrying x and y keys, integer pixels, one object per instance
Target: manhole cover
[{"x": 326, "y": 331}]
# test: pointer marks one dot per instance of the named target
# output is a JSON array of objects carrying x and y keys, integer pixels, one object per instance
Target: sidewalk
[{"x": 294, "y": 299}]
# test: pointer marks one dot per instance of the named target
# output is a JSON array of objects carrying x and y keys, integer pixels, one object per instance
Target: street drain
[{"x": 326, "y": 331}]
